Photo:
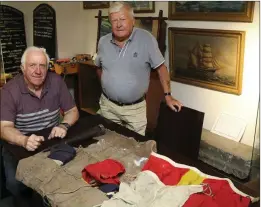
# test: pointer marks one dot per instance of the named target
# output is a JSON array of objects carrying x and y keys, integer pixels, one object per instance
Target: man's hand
[
  {"x": 171, "y": 102},
  {"x": 33, "y": 142},
  {"x": 58, "y": 131}
]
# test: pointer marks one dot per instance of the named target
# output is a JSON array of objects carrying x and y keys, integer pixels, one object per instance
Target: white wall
[{"x": 77, "y": 33}]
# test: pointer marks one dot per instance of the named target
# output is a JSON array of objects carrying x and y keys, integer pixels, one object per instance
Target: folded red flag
[{"x": 106, "y": 171}]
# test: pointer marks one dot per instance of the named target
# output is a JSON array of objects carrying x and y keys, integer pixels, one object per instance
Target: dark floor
[{"x": 35, "y": 200}]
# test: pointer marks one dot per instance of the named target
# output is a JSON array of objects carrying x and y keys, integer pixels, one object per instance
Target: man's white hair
[
  {"x": 31, "y": 49},
  {"x": 117, "y": 6}
]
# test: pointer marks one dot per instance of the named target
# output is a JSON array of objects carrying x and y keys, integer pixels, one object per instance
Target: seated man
[{"x": 30, "y": 102}]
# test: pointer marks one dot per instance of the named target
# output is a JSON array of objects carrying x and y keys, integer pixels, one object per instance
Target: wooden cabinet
[{"x": 90, "y": 92}]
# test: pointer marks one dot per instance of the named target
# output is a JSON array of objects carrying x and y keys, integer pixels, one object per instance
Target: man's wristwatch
[
  {"x": 66, "y": 125},
  {"x": 167, "y": 94}
]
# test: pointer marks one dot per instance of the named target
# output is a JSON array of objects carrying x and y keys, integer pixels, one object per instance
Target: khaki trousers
[{"x": 133, "y": 117}]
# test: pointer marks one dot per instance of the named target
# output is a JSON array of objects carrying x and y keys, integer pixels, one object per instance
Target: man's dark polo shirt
[{"x": 30, "y": 113}]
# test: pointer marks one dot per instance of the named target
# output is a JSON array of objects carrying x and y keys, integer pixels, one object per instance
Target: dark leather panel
[{"x": 180, "y": 131}]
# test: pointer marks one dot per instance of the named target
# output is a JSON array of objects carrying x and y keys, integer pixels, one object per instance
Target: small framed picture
[
  {"x": 96, "y": 4},
  {"x": 236, "y": 11},
  {"x": 143, "y": 6}
]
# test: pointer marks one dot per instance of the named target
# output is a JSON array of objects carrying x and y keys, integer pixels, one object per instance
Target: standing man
[
  {"x": 126, "y": 57},
  {"x": 32, "y": 101}
]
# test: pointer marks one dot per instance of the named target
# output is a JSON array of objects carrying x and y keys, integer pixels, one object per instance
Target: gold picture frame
[
  {"x": 143, "y": 6},
  {"x": 96, "y": 4},
  {"x": 207, "y": 58},
  {"x": 238, "y": 11}
]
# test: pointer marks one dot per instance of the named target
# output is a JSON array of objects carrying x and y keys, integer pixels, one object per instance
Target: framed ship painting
[
  {"x": 207, "y": 58},
  {"x": 237, "y": 11}
]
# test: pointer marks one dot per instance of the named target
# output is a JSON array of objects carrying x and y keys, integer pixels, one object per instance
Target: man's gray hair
[
  {"x": 117, "y": 6},
  {"x": 31, "y": 49}
]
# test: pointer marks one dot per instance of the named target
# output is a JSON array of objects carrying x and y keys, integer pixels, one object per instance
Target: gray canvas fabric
[
  {"x": 126, "y": 71},
  {"x": 148, "y": 191},
  {"x": 64, "y": 186}
]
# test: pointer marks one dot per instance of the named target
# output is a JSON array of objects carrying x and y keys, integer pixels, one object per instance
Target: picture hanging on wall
[
  {"x": 143, "y": 6},
  {"x": 96, "y": 4},
  {"x": 238, "y": 11},
  {"x": 207, "y": 58}
]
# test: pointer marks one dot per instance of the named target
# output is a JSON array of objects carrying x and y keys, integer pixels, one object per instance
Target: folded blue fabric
[
  {"x": 62, "y": 152},
  {"x": 109, "y": 189}
]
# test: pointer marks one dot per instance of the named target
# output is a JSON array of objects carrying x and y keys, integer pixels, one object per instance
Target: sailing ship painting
[
  {"x": 207, "y": 58},
  {"x": 202, "y": 60},
  {"x": 203, "y": 65}
]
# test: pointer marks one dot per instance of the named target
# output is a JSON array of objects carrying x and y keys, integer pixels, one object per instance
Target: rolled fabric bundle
[
  {"x": 81, "y": 136},
  {"x": 62, "y": 152}
]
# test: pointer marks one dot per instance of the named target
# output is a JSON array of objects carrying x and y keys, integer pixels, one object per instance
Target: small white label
[{"x": 229, "y": 126}]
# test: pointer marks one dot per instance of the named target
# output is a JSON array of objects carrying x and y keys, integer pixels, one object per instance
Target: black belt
[{"x": 124, "y": 104}]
